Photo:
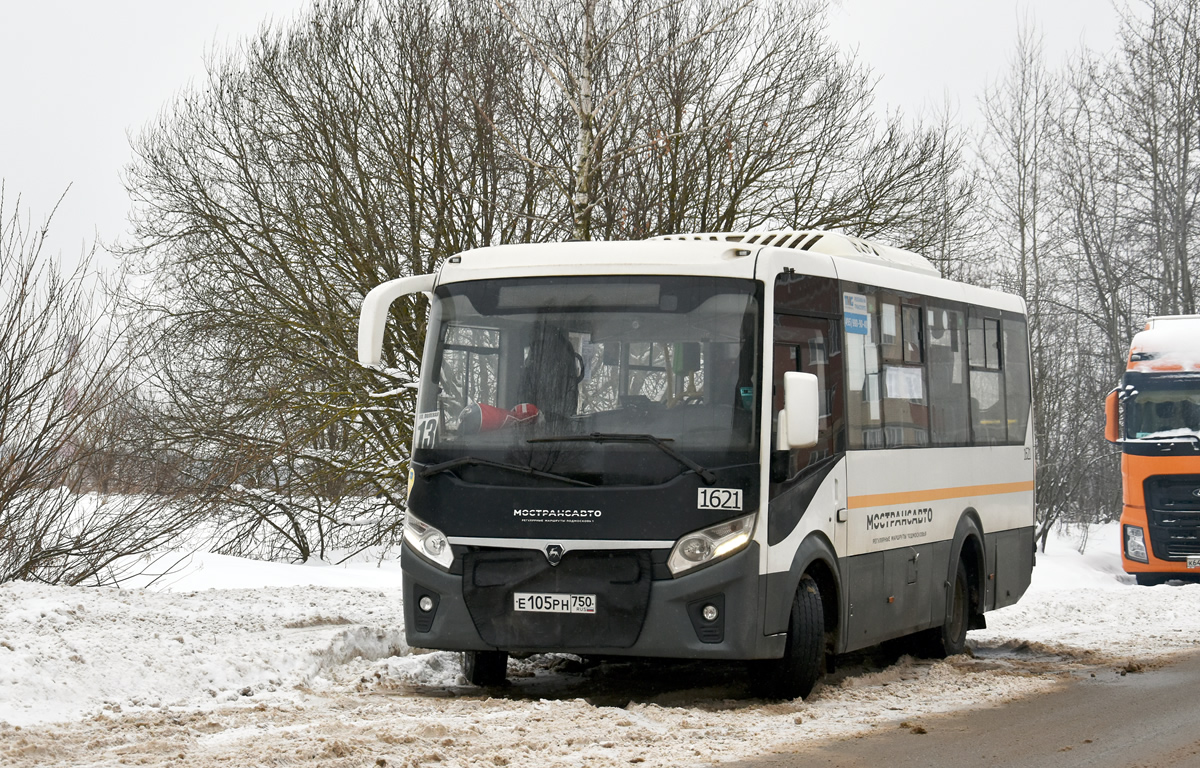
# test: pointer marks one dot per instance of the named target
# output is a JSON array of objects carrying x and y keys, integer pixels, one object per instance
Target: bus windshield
[
  {"x": 1162, "y": 406},
  {"x": 513, "y": 362}
]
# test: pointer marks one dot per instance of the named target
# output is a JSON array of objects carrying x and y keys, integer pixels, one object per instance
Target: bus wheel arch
[
  {"x": 796, "y": 673},
  {"x": 814, "y": 557},
  {"x": 968, "y": 548},
  {"x": 824, "y": 577},
  {"x": 962, "y": 609},
  {"x": 805, "y": 603}
]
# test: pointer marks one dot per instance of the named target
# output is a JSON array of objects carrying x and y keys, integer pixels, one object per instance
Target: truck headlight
[
  {"x": 710, "y": 544},
  {"x": 1135, "y": 544},
  {"x": 428, "y": 541}
]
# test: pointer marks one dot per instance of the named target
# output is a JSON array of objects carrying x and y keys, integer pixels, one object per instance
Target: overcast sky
[{"x": 77, "y": 77}]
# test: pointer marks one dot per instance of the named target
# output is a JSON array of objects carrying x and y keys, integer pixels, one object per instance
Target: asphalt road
[{"x": 1148, "y": 719}]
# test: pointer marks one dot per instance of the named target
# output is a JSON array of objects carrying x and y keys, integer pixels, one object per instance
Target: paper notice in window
[
  {"x": 887, "y": 318},
  {"x": 904, "y": 383}
]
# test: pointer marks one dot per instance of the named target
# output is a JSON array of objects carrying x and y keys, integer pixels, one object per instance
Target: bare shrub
[{"x": 65, "y": 373}]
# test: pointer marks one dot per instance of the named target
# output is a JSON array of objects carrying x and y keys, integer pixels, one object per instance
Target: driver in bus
[{"x": 551, "y": 373}]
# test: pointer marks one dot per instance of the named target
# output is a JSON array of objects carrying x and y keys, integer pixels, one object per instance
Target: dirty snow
[{"x": 239, "y": 662}]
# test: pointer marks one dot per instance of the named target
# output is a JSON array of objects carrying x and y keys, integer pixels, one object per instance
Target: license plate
[
  {"x": 550, "y": 602},
  {"x": 1193, "y": 561}
]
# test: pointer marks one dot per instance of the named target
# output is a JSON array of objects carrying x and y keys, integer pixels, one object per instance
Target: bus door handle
[{"x": 842, "y": 514}]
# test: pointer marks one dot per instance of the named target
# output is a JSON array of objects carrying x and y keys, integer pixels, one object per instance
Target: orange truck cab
[{"x": 1154, "y": 415}]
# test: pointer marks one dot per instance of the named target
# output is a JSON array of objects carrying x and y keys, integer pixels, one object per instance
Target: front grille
[
  {"x": 1173, "y": 512},
  {"x": 619, "y": 580}
]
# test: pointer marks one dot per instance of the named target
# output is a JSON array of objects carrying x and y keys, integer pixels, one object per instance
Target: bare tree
[
  {"x": 65, "y": 370},
  {"x": 1153, "y": 93},
  {"x": 685, "y": 117},
  {"x": 1016, "y": 152},
  {"x": 1093, "y": 188},
  {"x": 307, "y": 173},
  {"x": 1093, "y": 194},
  {"x": 372, "y": 138}
]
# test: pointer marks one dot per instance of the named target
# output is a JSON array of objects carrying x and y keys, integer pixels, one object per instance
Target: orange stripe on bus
[{"x": 936, "y": 494}]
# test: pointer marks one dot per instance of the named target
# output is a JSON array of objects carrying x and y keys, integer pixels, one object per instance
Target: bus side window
[
  {"x": 807, "y": 344},
  {"x": 1016, "y": 377},
  {"x": 949, "y": 402},
  {"x": 989, "y": 423},
  {"x": 864, "y": 388},
  {"x": 905, "y": 403},
  {"x": 913, "y": 346}
]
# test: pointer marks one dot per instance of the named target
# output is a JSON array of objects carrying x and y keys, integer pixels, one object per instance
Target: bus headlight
[
  {"x": 1135, "y": 544},
  {"x": 428, "y": 541},
  {"x": 710, "y": 544}
]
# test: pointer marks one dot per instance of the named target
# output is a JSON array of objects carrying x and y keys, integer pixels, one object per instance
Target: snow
[
  {"x": 225, "y": 656},
  {"x": 1172, "y": 342}
]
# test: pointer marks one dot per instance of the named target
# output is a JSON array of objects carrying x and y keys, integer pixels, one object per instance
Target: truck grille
[{"x": 1173, "y": 511}]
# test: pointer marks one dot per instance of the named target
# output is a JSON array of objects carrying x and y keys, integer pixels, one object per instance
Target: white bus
[{"x": 776, "y": 447}]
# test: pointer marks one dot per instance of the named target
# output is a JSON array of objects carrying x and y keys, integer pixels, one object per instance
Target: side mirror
[
  {"x": 1112, "y": 418},
  {"x": 372, "y": 318},
  {"x": 800, "y": 418}
]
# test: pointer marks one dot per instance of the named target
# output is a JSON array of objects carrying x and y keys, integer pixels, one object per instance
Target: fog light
[
  {"x": 710, "y": 613},
  {"x": 1135, "y": 544},
  {"x": 426, "y": 603}
]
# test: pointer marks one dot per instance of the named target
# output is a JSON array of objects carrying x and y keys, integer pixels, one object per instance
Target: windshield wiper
[
  {"x": 463, "y": 461},
  {"x": 1193, "y": 440},
  {"x": 616, "y": 437}
]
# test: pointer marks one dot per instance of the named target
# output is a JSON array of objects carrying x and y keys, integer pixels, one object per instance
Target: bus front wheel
[
  {"x": 803, "y": 663},
  {"x": 485, "y": 668}
]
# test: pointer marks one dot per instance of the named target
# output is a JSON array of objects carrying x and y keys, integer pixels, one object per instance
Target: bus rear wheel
[
  {"x": 796, "y": 674},
  {"x": 951, "y": 638},
  {"x": 485, "y": 668}
]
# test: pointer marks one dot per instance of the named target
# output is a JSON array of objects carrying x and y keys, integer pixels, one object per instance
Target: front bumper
[{"x": 671, "y": 626}]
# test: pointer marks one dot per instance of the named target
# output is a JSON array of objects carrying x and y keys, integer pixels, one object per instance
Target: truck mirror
[{"x": 1112, "y": 418}]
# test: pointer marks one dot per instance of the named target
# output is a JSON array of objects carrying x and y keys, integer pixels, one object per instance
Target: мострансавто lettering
[
  {"x": 563, "y": 513},
  {"x": 897, "y": 517}
]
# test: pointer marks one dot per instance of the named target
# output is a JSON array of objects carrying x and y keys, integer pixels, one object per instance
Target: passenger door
[{"x": 806, "y": 337}]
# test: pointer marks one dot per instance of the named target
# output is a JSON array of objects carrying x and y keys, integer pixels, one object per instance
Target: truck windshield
[
  {"x": 512, "y": 362},
  {"x": 1162, "y": 406}
]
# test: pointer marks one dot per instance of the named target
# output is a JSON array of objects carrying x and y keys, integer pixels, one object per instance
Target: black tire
[
  {"x": 796, "y": 674},
  {"x": 951, "y": 638},
  {"x": 1150, "y": 579},
  {"x": 485, "y": 668}
]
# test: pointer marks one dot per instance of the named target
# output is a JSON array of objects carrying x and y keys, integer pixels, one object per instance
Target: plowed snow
[{"x": 321, "y": 675}]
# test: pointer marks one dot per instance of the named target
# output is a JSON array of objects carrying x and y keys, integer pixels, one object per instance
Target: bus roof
[
  {"x": 720, "y": 254},
  {"x": 828, "y": 243},
  {"x": 1169, "y": 343}
]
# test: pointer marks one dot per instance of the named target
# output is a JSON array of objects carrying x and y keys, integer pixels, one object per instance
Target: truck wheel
[
  {"x": 803, "y": 663},
  {"x": 485, "y": 668},
  {"x": 1150, "y": 579}
]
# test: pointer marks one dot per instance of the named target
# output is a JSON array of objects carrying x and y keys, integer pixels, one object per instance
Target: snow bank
[
  {"x": 1086, "y": 601},
  {"x": 66, "y": 652}
]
